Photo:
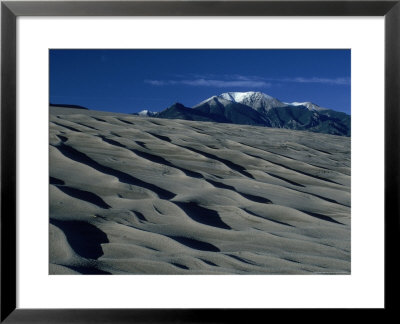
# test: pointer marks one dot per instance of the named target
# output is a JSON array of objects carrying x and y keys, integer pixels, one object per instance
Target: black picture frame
[{"x": 10, "y": 10}]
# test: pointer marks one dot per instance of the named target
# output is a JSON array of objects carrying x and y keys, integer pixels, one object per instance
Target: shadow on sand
[{"x": 84, "y": 238}]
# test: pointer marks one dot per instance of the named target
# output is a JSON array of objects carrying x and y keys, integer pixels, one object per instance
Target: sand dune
[{"x": 136, "y": 195}]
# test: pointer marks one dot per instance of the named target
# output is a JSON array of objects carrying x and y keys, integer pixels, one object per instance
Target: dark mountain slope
[
  {"x": 256, "y": 108},
  {"x": 233, "y": 112}
]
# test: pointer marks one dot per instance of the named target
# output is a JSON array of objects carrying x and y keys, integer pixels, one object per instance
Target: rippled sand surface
[{"x": 137, "y": 195}]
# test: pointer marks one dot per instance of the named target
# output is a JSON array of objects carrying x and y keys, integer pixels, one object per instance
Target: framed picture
[{"x": 309, "y": 212}]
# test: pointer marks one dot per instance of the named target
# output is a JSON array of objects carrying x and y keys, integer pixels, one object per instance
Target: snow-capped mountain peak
[
  {"x": 242, "y": 96},
  {"x": 146, "y": 113},
  {"x": 308, "y": 105},
  {"x": 260, "y": 109},
  {"x": 213, "y": 101},
  {"x": 256, "y": 100},
  {"x": 245, "y": 96},
  {"x": 259, "y": 101}
]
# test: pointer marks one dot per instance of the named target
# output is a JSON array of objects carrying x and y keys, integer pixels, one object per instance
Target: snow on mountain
[
  {"x": 260, "y": 109},
  {"x": 308, "y": 105},
  {"x": 263, "y": 102},
  {"x": 256, "y": 100},
  {"x": 214, "y": 101},
  {"x": 146, "y": 113}
]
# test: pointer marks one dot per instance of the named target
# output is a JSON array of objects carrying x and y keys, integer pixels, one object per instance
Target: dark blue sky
[{"x": 132, "y": 80}]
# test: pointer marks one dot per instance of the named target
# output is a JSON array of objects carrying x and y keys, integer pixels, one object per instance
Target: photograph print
[{"x": 200, "y": 161}]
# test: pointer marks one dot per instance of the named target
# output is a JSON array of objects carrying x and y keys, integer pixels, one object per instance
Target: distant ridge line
[{"x": 68, "y": 106}]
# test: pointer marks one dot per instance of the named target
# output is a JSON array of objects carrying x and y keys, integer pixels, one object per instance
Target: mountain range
[{"x": 260, "y": 109}]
